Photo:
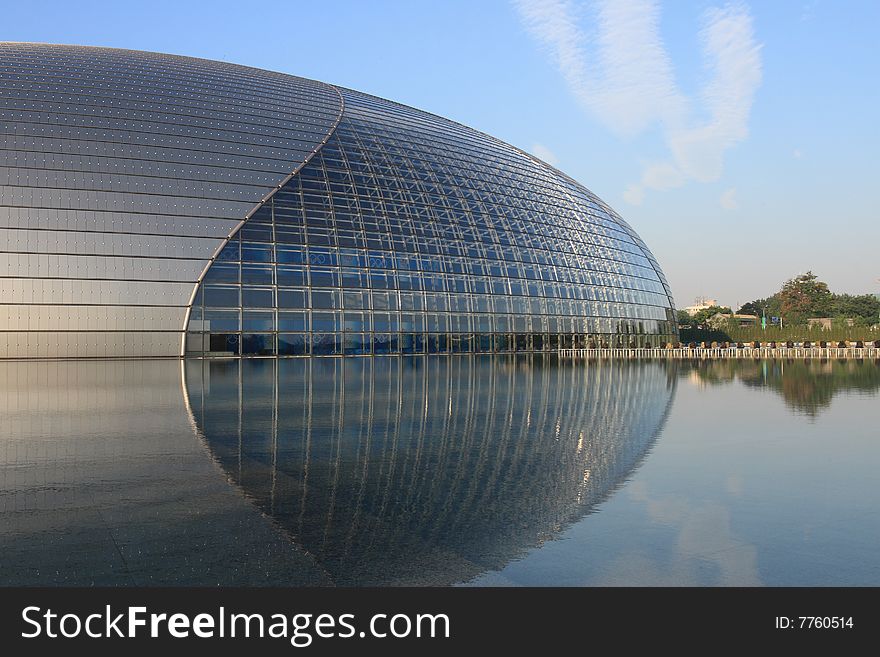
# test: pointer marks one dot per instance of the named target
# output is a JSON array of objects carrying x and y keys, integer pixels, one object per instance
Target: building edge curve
[
  {"x": 254, "y": 210},
  {"x": 122, "y": 172}
]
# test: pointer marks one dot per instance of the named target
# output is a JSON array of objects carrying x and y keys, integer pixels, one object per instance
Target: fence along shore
[{"x": 844, "y": 349}]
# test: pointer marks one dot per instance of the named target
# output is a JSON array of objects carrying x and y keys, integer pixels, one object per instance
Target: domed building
[{"x": 163, "y": 206}]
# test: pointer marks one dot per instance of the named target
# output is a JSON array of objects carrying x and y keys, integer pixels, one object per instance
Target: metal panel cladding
[
  {"x": 409, "y": 233},
  {"x": 122, "y": 173}
]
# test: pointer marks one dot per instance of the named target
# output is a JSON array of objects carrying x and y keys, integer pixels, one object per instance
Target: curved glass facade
[{"x": 409, "y": 233}]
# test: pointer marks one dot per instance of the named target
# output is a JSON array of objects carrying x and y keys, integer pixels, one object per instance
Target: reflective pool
[{"x": 439, "y": 471}]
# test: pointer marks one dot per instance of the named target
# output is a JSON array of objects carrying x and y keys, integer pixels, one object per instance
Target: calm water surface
[{"x": 440, "y": 471}]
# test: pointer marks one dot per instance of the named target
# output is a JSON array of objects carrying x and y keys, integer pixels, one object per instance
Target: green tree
[
  {"x": 755, "y": 307},
  {"x": 683, "y": 318},
  {"x": 804, "y": 296},
  {"x": 865, "y": 307},
  {"x": 760, "y": 307}
]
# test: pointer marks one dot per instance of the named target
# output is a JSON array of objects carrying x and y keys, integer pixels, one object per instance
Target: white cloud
[
  {"x": 705, "y": 534},
  {"x": 625, "y": 86},
  {"x": 728, "y": 199},
  {"x": 659, "y": 176},
  {"x": 543, "y": 153},
  {"x": 662, "y": 176},
  {"x": 621, "y": 72},
  {"x": 797, "y": 153},
  {"x": 634, "y": 194},
  {"x": 729, "y": 46}
]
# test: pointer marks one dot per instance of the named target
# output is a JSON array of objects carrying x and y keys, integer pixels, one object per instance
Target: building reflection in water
[{"x": 429, "y": 470}]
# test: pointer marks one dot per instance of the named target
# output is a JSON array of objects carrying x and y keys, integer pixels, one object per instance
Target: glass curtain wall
[{"x": 408, "y": 233}]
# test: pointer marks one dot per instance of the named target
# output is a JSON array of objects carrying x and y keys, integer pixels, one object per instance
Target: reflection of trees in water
[
  {"x": 427, "y": 470},
  {"x": 807, "y": 386}
]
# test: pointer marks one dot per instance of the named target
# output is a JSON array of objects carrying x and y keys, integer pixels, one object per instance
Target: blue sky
[{"x": 740, "y": 139}]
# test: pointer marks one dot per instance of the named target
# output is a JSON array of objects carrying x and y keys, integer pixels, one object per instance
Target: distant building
[
  {"x": 825, "y": 322},
  {"x": 719, "y": 319},
  {"x": 700, "y": 303}
]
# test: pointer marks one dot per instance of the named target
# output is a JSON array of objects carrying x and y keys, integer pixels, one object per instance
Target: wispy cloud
[
  {"x": 544, "y": 153},
  {"x": 634, "y": 194},
  {"x": 728, "y": 199},
  {"x": 620, "y": 71}
]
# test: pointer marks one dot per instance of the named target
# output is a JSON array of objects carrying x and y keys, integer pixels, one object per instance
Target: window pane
[
  {"x": 223, "y": 297},
  {"x": 289, "y": 255},
  {"x": 256, "y": 253},
  {"x": 353, "y": 299},
  {"x": 357, "y": 343},
  {"x": 381, "y": 343},
  {"x": 256, "y": 297},
  {"x": 356, "y": 322},
  {"x": 257, "y": 275},
  {"x": 258, "y": 320},
  {"x": 292, "y": 276},
  {"x": 322, "y": 322},
  {"x": 257, "y": 345},
  {"x": 325, "y": 299},
  {"x": 225, "y": 343},
  {"x": 221, "y": 320},
  {"x": 324, "y": 278},
  {"x": 292, "y": 321},
  {"x": 292, "y": 344},
  {"x": 221, "y": 272},
  {"x": 256, "y": 232},
  {"x": 291, "y": 298},
  {"x": 326, "y": 344}
]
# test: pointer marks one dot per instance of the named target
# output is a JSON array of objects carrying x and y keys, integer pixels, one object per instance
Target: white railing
[{"x": 725, "y": 352}]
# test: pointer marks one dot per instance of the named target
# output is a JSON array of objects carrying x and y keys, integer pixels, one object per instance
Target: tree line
[{"x": 800, "y": 299}]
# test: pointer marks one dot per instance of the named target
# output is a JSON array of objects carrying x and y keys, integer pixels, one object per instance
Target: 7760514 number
[{"x": 815, "y": 622}]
